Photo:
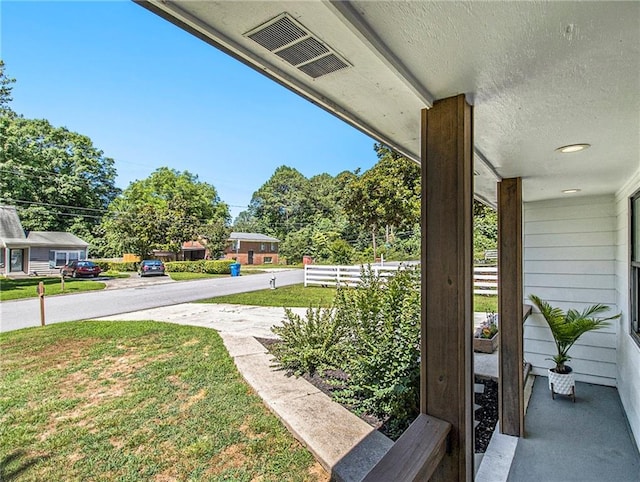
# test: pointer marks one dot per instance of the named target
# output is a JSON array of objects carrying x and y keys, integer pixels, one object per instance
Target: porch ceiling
[{"x": 540, "y": 75}]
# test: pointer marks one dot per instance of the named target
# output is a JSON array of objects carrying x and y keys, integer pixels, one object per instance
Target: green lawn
[
  {"x": 298, "y": 296},
  {"x": 485, "y": 303},
  {"x": 290, "y": 296},
  {"x": 134, "y": 401},
  {"x": 27, "y": 287}
]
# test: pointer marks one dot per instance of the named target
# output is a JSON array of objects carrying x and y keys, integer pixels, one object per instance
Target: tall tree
[
  {"x": 485, "y": 229},
  {"x": 214, "y": 237},
  {"x": 385, "y": 196},
  {"x": 56, "y": 178},
  {"x": 246, "y": 223},
  {"x": 162, "y": 211},
  {"x": 5, "y": 88},
  {"x": 282, "y": 204}
]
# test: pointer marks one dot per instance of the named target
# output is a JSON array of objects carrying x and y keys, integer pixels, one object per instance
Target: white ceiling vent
[{"x": 292, "y": 42}]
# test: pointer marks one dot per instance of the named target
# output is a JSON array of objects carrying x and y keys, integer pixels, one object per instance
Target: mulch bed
[{"x": 487, "y": 414}]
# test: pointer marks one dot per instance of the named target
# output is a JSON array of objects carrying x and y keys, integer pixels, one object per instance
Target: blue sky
[{"x": 148, "y": 94}]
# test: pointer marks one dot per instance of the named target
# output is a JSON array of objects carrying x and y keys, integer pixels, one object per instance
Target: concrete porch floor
[
  {"x": 589, "y": 440},
  {"x": 586, "y": 441}
]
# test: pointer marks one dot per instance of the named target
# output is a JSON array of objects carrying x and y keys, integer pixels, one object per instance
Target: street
[{"x": 19, "y": 314}]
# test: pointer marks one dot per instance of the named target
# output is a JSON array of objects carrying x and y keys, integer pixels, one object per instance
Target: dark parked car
[
  {"x": 150, "y": 267},
  {"x": 80, "y": 268}
]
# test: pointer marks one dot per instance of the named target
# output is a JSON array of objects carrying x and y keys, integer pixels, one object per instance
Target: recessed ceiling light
[
  {"x": 571, "y": 191},
  {"x": 573, "y": 148}
]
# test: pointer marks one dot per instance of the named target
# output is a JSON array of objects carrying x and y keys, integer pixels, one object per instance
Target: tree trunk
[{"x": 374, "y": 243}]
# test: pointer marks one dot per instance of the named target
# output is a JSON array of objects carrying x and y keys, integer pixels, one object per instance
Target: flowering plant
[{"x": 488, "y": 328}]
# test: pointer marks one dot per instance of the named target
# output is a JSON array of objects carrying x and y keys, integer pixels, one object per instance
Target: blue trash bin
[{"x": 235, "y": 269}]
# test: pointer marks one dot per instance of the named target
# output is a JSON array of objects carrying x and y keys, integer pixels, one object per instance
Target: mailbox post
[{"x": 41, "y": 296}]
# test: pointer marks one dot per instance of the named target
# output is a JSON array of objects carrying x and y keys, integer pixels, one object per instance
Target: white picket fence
[
  {"x": 485, "y": 280},
  {"x": 329, "y": 275}
]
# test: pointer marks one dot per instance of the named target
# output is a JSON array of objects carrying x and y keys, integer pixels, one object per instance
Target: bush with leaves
[
  {"x": 219, "y": 266},
  {"x": 383, "y": 349},
  {"x": 185, "y": 266},
  {"x": 372, "y": 334},
  {"x": 121, "y": 266},
  {"x": 341, "y": 252},
  {"x": 310, "y": 344}
]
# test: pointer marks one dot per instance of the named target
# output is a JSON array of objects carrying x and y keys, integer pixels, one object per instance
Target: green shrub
[
  {"x": 107, "y": 265},
  {"x": 185, "y": 266},
  {"x": 219, "y": 266},
  {"x": 310, "y": 344},
  {"x": 372, "y": 334},
  {"x": 104, "y": 264},
  {"x": 382, "y": 358},
  {"x": 341, "y": 252},
  {"x": 128, "y": 266}
]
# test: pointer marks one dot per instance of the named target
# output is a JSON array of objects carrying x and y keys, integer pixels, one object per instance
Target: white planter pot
[{"x": 562, "y": 383}]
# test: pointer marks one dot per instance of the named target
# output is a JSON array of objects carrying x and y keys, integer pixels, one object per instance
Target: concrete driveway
[{"x": 133, "y": 280}]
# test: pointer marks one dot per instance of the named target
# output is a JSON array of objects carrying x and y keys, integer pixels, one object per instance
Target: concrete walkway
[{"x": 345, "y": 445}]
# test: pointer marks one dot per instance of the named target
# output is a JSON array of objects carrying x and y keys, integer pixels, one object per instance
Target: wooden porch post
[
  {"x": 447, "y": 259},
  {"x": 510, "y": 309}
]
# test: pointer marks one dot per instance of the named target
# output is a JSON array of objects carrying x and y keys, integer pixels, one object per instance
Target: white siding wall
[
  {"x": 569, "y": 252},
  {"x": 628, "y": 353}
]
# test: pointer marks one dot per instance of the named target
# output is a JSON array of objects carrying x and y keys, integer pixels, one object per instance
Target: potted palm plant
[{"x": 566, "y": 328}]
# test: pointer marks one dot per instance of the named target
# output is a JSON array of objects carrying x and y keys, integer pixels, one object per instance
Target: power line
[
  {"x": 19, "y": 201},
  {"x": 31, "y": 176},
  {"x": 47, "y": 173}
]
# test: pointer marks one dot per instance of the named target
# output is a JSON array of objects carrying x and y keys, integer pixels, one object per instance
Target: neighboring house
[
  {"x": 50, "y": 250},
  {"x": 41, "y": 252},
  {"x": 192, "y": 251},
  {"x": 252, "y": 248}
]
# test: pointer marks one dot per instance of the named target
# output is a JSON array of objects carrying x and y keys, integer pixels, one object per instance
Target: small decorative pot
[
  {"x": 485, "y": 345},
  {"x": 562, "y": 383}
]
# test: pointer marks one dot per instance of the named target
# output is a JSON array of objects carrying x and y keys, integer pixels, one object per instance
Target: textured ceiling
[{"x": 539, "y": 74}]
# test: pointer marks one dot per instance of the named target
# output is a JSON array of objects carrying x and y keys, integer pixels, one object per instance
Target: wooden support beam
[
  {"x": 510, "y": 308},
  {"x": 415, "y": 455},
  {"x": 447, "y": 279}
]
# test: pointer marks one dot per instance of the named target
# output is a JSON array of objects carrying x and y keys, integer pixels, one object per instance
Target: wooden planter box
[{"x": 485, "y": 345}]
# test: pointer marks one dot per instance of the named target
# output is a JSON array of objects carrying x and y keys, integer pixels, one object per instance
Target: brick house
[{"x": 252, "y": 248}]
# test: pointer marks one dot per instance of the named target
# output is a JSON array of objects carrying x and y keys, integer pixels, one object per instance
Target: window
[
  {"x": 58, "y": 259},
  {"x": 273, "y": 247},
  {"x": 262, "y": 247},
  {"x": 267, "y": 260},
  {"x": 634, "y": 297},
  {"x": 17, "y": 260}
]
